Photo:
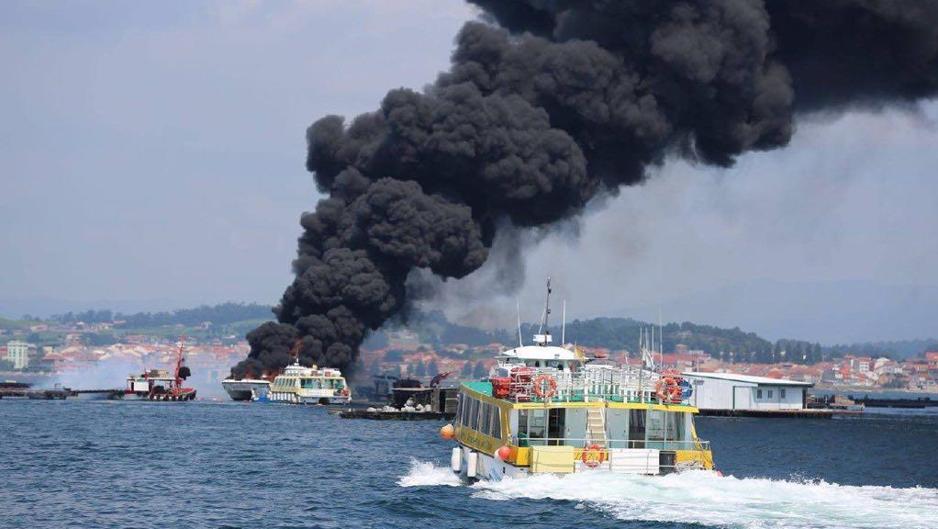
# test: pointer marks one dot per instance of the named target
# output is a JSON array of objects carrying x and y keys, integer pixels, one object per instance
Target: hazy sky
[{"x": 152, "y": 157}]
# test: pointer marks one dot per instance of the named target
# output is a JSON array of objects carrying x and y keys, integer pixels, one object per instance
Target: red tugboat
[{"x": 157, "y": 384}]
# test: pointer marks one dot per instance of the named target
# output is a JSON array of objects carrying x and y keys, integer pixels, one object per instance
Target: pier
[{"x": 777, "y": 414}]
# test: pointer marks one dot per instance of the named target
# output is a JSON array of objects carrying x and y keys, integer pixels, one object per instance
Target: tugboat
[
  {"x": 157, "y": 384},
  {"x": 552, "y": 409}
]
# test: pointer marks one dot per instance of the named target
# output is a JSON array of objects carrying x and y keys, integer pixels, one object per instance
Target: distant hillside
[
  {"x": 611, "y": 333},
  {"x": 433, "y": 328},
  {"x": 897, "y": 348},
  {"x": 221, "y": 314},
  {"x": 828, "y": 312}
]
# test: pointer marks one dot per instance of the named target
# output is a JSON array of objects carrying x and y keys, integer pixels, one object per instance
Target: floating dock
[
  {"x": 917, "y": 403},
  {"x": 398, "y": 415},
  {"x": 800, "y": 414},
  {"x": 60, "y": 393}
]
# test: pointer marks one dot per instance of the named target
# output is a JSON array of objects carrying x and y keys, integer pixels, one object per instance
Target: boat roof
[
  {"x": 247, "y": 380},
  {"x": 297, "y": 370},
  {"x": 540, "y": 352},
  {"x": 750, "y": 379}
]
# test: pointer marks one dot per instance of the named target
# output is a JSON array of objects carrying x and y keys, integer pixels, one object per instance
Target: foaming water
[
  {"x": 709, "y": 499},
  {"x": 424, "y": 474}
]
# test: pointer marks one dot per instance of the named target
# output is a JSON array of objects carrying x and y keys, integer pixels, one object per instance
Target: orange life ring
[
  {"x": 668, "y": 390},
  {"x": 545, "y": 386},
  {"x": 593, "y": 456}
]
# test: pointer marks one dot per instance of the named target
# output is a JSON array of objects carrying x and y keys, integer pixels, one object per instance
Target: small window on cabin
[
  {"x": 675, "y": 430},
  {"x": 497, "y": 423},
  {"x": 655, "y": 425},
  {"x": 474, "y": 414},
  {"x": 770, "y": 393},
  {"x": 459, "y": 409},
  {"x": 463, "y": 403},
  {"x": 484, "y": 425},
  {"x": 758, "y": 393},
  {"x": 522, "y": 432},
  {"x": 781, "y": 393},
  {"x": 537, "y": 424},
  {"x": 636, "y": 428}
]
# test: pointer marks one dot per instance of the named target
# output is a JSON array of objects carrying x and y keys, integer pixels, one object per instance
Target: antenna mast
[
  {"x": 543, "y": 333},
  {"x": 518, "y": 307},
  {"x": 563, "y": 325}
]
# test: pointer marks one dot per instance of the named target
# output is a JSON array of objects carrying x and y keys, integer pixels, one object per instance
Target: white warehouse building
[{"x": 730, "y": 391}]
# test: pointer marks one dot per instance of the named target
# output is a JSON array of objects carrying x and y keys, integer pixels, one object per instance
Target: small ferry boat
[
  {"x": 310, "y": 385},
  {"x": 158, "y": 384},
  {"x": 551, "y": 409},
  {"x": 246, "y": 388}
]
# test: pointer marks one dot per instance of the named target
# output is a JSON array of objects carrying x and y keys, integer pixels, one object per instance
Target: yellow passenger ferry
[{"x": 551, "y": 409}]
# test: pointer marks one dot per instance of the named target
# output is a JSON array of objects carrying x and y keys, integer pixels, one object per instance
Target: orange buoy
[
  {"x": 668, "y": 390},
  {"x": 593, "y": 455},
  {"x": 503, "y": 453},
  {"x": 448, "y": 432},
  {"x": 545, "y": 386}
]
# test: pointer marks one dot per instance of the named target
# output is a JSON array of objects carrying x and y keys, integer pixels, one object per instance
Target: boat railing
[
  {"x": 611, "y": 444},
  {"x": 589, "y": 383}
]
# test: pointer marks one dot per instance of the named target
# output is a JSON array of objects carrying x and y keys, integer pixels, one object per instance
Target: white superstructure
[{"x": 310, "y": 385}]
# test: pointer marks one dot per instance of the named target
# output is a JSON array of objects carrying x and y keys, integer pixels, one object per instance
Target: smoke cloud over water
[{"x": 549, "y": 105}]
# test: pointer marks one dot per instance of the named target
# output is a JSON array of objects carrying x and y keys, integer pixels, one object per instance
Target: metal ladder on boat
[{"x": 596, "y": 426}]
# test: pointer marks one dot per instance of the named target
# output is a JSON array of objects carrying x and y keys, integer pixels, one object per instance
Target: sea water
[{"x": 239, "y": 465}]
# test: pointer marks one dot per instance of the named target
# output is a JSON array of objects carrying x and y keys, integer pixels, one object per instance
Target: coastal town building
[{"x": 18, "y": 353}]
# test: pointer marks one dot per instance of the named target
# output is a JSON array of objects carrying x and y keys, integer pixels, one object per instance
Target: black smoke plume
[{"x": 551, "y": 102}]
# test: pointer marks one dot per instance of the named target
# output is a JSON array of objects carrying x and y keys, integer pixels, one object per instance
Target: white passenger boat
[
  {"x": 246, "y": 388},
  {"x": 310, "y": 385}
]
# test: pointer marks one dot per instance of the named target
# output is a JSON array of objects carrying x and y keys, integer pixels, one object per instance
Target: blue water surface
[{"x": 75, "y": 464}]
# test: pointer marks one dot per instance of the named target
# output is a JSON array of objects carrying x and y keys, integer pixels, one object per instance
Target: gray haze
[{"x": 139, "y": 143}]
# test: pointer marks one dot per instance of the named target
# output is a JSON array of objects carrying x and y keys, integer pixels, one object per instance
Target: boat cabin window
[
  {"x": 486, "y": 418},
  {"x": 770, "y": 393},
  {"x": 781, "y": 393},
  {"x": 311, "y": 383},
  {"x": 480, "y": 416},
  {"x": 541, "y": 427},
  {"x": 758, "y": 393},
  {"x": 663, "y": 428},
  {"x": 636, "y": 429},
  {"x": 473, "y": 414}
]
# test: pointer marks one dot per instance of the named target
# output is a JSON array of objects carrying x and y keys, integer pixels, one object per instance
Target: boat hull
[
  {"x": 246, "y": 390},
  {"x": 646, "y": 462},
  {"x": 181, "y": 396},
  {"x": 294, "y": 398}
]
